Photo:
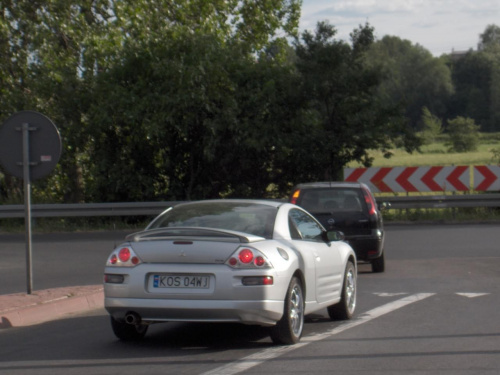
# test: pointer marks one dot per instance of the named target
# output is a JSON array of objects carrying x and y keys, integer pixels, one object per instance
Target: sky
[{"x": 440, "y": 26}]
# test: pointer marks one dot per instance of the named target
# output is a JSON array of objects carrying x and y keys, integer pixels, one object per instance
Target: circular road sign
[{"x": 44, "y": 144}]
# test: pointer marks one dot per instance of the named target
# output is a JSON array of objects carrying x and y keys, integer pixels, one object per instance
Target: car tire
[
  {"x": 345, "y": 308},
  {"x": 289, "y": 328},
  {"x": 378, "y": 264},
  {"x": 128, "y": 332}
]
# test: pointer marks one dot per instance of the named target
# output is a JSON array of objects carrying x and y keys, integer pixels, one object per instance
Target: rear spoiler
[{"x": 190, "y": 233}]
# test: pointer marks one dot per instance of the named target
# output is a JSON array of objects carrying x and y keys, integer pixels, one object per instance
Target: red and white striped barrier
[
  {"x": 486, "y": 178},
  {"x": 412, "y": 179}
]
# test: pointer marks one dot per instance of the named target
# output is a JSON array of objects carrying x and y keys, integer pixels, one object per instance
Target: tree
[
  {"x": 17, "y": 31},
  {"x": 490, "y": 37},
  {"x": 431, "y": 126},
  {"x": 490, "y": 43},
  {"x": 344, "y": 118},
  {"x": 193, "y": 118},
  {"x": 153, "y": 115},
  {"x": 53, "y": 52},
  {"x": 476, "y": 77},
  {"x": 463, "y": 134},
  {"x": 255, "y": 23},
  {"x": 413, "y": 77}
]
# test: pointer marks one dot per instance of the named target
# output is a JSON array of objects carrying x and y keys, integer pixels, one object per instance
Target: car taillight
[
  {"x": 123, "y": 257},
  {"x": 369, "y": 202},
  {"x": 245, "y": 256},
  {"x": 124, "y": 254},
  {"x": 259, "y": 261},
  {"x": 295, "y": 196},
  {"x": 248, "y": 258}
]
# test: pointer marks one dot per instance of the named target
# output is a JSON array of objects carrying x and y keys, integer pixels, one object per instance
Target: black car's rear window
[
  {"x": 328, "y": 199},
  {"x": 251, "y": 218}
]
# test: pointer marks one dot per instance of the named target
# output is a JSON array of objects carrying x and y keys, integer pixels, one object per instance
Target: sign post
[
  {"x": 30, "y": 148},
  {"x": 27, "y": 205}
]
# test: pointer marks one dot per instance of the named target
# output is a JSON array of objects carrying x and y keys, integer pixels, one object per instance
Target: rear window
[
  {"x": 332, "y": 199},
  {"x": 256, "y": 219}
]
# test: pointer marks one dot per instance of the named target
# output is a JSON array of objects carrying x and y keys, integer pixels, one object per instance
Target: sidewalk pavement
[{"x": 22, "y": 309}]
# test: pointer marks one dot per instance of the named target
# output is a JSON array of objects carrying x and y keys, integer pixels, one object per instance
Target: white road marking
[
  {"x": 472, "y": 295},
  {"x": 260, "y": 357},
  {"x": 390, "y": 294}
]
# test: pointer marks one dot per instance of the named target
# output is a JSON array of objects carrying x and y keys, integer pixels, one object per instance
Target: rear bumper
[
  {"x": 225, "y": 300},
  {"x": 264, "y": 313},
  {"x": 366, "y": 247}
]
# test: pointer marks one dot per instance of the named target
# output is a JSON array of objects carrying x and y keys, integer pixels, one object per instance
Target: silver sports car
[{"x": 254, "y": 262}]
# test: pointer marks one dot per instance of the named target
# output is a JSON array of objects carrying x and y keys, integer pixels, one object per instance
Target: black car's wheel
[
  {"x": 378, "y": 264},
  {"x": 128, "y": 332},
  {"x": 345, "y": 308},
  {"x": 289, "y": 328}
]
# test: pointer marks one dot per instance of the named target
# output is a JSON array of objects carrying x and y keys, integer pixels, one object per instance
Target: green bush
[
  {"x": 431, "y": 127},
  {"x": 463, "y": 134}
]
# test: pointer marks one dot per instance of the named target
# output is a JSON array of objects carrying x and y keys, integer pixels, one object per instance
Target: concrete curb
[{"x": 18, "y": 310}]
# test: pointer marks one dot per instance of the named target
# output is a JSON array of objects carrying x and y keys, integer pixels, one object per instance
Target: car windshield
[
  {"x": 247, "y": 217},
  {"x": 332, "y": 200}
]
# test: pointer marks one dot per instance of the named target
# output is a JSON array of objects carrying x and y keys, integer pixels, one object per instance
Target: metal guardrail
[
  {"x": 154, "y": 208},
  {"x": 442, "y": 201},
  {"x": 87, "y": 209}
]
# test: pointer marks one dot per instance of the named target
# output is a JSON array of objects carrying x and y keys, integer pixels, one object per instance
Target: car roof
[{"x": 328, "y": 184}]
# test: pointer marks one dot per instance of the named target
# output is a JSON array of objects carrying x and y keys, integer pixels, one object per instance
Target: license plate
[{"x": 181, "y": 281}]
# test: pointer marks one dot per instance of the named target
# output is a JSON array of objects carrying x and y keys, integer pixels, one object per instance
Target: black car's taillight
[
  {"x": 295, "y": 196},
  {"x": 370, "y": 202}
]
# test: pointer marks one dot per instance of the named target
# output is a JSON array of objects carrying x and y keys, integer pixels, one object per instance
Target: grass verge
[{"x": 443, "y": 215}]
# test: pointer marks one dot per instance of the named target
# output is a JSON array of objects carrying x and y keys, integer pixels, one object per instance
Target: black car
[{"x": 349, "y": 207}]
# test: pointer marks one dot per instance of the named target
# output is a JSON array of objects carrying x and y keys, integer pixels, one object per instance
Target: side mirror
[
  {"x": 335, "y": 235},
  {"x": 384, "y": 206}
]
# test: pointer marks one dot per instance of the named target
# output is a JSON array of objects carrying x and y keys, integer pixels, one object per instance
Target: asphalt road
[
  {"x": 58, "y": 259},
  {"x": 434, "y": 311}
]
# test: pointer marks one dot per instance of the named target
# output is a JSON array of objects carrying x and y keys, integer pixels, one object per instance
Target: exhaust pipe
[{"x": 132, "y": 318}]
